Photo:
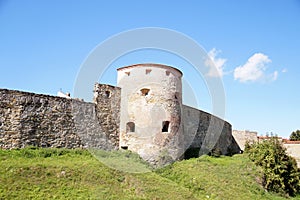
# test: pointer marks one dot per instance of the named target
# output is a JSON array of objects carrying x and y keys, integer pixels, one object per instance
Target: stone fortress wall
[
  {"x": 292, "y": 147},
  {"x": 204, "y": 132},
  {"x": 242, "y": 137},
  {"x": 51, "y": 121},
  {"x": 107, "y": 100}
]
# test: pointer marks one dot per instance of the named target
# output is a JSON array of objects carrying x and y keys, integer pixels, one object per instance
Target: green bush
[
  {"x": 295, "y": 135},
  {"x": 215, "y": 152},
  {"x": 280, "y": 172}
]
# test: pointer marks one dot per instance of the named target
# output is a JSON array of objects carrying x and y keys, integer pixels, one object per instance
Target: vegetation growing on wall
[{"x": 280, "y": 172}]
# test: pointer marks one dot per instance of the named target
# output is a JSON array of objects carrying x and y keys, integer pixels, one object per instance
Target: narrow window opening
[
  {"x": 167, "y": 73},
  {"x": 124, "y": 147},
  {"x": 128, "y": 73},
  {"x": 107, "y": 94},
  {"x": 165, "y": 126},
  {"x": 148, "y": 71},
  {"x": 130, "y": 127},
  {"x": 176, "y": 95},
  {"x": 145, "y": 91}
]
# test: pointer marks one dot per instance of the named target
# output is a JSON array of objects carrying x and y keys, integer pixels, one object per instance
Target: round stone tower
[{"x": 150, "y": 118}]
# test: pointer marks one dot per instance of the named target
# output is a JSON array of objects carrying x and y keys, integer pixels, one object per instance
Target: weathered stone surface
[
  {"x": 144, "y": 114},
  {"x": 48, "y": 121},
  {"x": 204, "y": 133},
  {"x": 294, "y": 151},
  {"x": 242, "y": 137},
  {"x": 150, "y": 100},
  {"x": 107, "y": 100}
]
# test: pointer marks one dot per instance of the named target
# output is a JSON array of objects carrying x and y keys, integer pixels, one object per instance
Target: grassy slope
[{"x": 75, "y": 174}]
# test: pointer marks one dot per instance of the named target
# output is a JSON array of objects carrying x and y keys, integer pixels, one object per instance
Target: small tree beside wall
[{"x": 280, "y": 172}]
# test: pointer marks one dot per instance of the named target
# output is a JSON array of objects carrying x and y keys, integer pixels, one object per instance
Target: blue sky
[{"x": 255, "y": 45}]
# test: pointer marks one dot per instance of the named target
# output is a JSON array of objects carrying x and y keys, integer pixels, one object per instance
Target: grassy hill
[{"x": 76, "y": 174}]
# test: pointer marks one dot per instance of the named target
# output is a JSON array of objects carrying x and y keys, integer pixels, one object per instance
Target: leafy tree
[
  {"x": 280, "y": 172},
  {"x": 295, "y": 135}
]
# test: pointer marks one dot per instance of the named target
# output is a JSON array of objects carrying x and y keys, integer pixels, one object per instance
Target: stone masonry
[
  {"x": 50, "y": 121},
  {"x": 201, "y": 133},
  {"x": 242, "y": 137},
  {"x": 107, "y": 102}
]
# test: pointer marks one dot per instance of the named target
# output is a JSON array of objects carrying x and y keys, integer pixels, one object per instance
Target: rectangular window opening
[
  {"x": 107, "y": 94},
  {"x": 130, "y": 127},
  {"x": 148, "y": 71},
  {"x": 165, "y": 126}
]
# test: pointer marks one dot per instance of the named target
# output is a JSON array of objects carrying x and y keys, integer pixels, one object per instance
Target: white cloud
[
  {"x": 284, "y": 70},
  {"x": 216, "y": 65},
  {"x": 274, "y": 76},
  {"x": 255, "y": 69}
]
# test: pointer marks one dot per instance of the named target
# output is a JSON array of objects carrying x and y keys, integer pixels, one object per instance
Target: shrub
[
  {"x": 295, "y": 135},
  {"x": 215, "y": 152},
  {"x": 280, "y": 172}
]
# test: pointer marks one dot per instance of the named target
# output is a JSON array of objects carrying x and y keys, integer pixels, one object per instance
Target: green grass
[
  {"x": 76, "y": 174},
  {"x": 122, "y": 160}
]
